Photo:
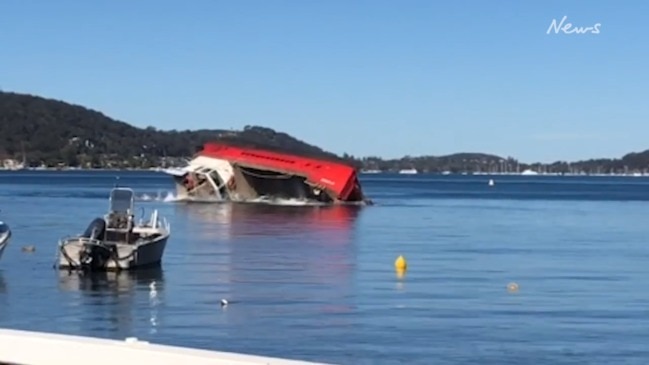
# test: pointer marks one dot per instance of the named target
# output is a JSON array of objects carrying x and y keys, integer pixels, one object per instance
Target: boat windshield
[
  {"x": 3, "y": 228},
  {"x": 121, "y": 200}
]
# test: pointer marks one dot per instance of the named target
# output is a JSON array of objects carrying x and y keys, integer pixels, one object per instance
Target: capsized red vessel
[{"x": 225, "y": 171}]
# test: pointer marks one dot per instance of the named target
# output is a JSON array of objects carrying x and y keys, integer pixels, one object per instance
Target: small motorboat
[
  {"x": 116, "y": 242},
  {"x": 5, "y": 236}
]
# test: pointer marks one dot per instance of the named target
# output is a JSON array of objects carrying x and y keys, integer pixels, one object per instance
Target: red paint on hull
[{"x": 337, "y": 178}]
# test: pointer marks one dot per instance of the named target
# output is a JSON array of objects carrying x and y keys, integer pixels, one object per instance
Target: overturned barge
[
  {"x": 222, "y": 171},
  {"x": 5, "y": 236}
]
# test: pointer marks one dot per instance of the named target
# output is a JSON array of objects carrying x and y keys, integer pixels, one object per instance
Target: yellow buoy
[
  {"x": 512, "y": 287},
  {"x": 400, "y": 264}
]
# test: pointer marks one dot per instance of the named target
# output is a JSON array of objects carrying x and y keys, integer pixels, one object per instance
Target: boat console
[{"x": 119, "y": 220}]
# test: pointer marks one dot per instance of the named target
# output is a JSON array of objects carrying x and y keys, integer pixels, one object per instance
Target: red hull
[{"x": 338, "y": 179}]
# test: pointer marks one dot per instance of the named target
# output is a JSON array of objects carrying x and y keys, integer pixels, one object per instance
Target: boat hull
[
  {"x": 128, "y": 256},
  {"x": 5, "y": 237},
  {"x": 38, "y": 348},
  {"x": 222, "y": 172}
]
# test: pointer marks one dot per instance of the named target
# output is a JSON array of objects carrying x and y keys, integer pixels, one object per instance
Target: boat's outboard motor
[
  {"x": 95, "y": 230},
  {"x": 94, "y": 257},
  {"x": 5, "y": 232}
]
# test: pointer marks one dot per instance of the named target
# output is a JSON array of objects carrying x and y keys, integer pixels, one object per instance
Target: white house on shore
[{"x": 11, "y": 164}]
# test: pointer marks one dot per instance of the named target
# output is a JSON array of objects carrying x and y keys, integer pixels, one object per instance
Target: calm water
[{"x": 319, "y": 284}]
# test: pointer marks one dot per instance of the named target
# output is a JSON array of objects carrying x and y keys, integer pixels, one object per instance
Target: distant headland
[{"x": 36, "y": 132}]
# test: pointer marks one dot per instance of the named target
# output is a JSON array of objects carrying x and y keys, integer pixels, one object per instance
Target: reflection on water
[
  {"x": 108, "y": 301},
  {"x": 105, "y": 282},
  {"x": 318, "y": 283},
  {"x": 241, "y": 219},
  {"x": 284, "y": 269}
]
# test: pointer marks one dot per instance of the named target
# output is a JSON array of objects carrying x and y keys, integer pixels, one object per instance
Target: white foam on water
[
  {"x": 283, "y": 201},
  {"x": 161, "y": 196},
  {"x": 260, "y": 200},
  {"x": 170, "y": 197}
]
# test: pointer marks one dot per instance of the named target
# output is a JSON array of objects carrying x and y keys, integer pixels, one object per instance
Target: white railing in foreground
[{"x": 39, "y": 348}]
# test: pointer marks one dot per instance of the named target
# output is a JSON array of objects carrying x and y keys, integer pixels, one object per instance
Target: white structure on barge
[{"x": 38, "y": 348}]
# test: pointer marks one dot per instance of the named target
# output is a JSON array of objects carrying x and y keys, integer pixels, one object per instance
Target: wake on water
[
  {"x": 169, "y": 197},
  {"x": 166, "y": 197}
]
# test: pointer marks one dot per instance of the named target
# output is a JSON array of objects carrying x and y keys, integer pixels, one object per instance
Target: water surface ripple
[{"x": 318, "y": 283}]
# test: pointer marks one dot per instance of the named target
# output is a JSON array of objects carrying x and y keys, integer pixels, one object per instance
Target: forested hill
[{"x": 53, "y": 132}]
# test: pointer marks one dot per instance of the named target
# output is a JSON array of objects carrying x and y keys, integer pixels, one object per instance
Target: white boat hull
[
  {"x": 5, "y": 236},
  {"x": 216, "y": 172},
  {"x": 129, "y": 256}
]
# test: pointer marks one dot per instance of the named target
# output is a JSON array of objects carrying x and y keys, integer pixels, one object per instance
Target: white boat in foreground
[
  {"x": 116, "y": 242},
  {"x": 5, "y": 236},
  {"x": 38, "y": 348}
]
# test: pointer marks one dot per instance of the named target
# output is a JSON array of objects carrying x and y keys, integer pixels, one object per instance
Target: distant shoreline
[
  {"x": 361, "y": 172},
  {"x": 66, "y": 169}
]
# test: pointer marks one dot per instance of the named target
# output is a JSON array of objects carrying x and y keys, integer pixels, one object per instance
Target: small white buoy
[
  {"x": 153, "y": 292},
  {"x": 224, "y": 302},
  {"x": 491, "y": 182}
]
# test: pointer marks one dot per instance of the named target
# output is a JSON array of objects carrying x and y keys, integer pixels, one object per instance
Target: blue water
[{"x": 319, "y": 283}]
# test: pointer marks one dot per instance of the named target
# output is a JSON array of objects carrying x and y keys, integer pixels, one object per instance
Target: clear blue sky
[{"x": 371, "y": 77}]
